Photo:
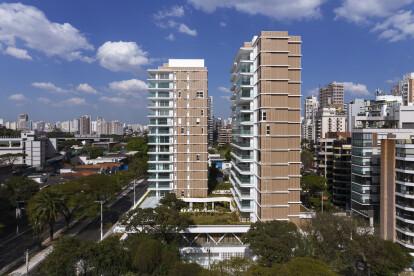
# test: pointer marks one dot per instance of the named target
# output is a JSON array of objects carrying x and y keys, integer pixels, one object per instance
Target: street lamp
[
  {"x": 18, "y": 215},
  {"x": 101, "y": 202}
]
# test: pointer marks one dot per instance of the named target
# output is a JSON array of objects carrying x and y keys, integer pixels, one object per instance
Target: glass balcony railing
[{"x": 160, "y": 85}]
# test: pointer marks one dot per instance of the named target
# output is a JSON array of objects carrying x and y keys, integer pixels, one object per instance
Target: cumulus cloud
[
  {"x": 18, "y": 97},
  {"x": 28, "y": 24},
  {"x": 50, "y": 87},
  {"x": 122, "y": 56},
  {"x": 276, "y": 9},
  {"x": 170, "y": 37},
  {"x": 86, "y": 88},
  {"x": 397, "y": 27},
  {"x": 224, "y": 89},
  {"x": 133, "y": 87},
  {"x": 223, "y": 24},
  {"x": 72, "y": 102},
  {"x": 184, "y": 29},
  {"x": 361, "y": 11},
  {"x": 114, "y": 100},
  {"x": 313, "y": 92},
  {"x": 18, "y": 53},
  {"x": 175, "y": 11},
  {"x": 356, "y": 89}
]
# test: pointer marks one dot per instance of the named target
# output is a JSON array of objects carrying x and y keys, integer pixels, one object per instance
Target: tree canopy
[
  {"x": 138, "y": 144},
  {"x": 20, "y": 188}
]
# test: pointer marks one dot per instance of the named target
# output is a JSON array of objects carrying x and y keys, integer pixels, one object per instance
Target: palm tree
[{"x": 44, "y": 209}]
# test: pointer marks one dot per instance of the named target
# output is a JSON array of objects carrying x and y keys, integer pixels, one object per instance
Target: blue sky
[{"x": 62, "y": 59}]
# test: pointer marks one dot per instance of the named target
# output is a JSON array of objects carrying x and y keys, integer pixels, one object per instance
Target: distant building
[
  {"x": 210, "y": 130},
  {"x": 330, "y": 119},
  {"x": 332, "y": 95},
  {"x": 224, "y": 135},
  {"x": 23, "y": 122},
  {"x": 311, "y": 106},
  {"x": 406, "y": 88},
  {"x": 354, "y": 108},
  {"x": 84, "y": 124}
]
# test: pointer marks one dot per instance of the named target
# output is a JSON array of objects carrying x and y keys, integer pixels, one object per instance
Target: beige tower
[
  {"x": 266, "y": 127},
  {"x": 178, "y": 128}
]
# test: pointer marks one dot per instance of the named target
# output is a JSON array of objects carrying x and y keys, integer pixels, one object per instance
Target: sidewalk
[{"x": 33, "y": 262}]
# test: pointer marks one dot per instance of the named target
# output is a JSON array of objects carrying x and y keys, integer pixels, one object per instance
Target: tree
[
  {"x": 67, "y": 144},
  {"x": 274, "y": 241},
  {"x": 213, "y": 173},
  {"x": 10, "y": 158},
  {"x": 116, "y": 148},
  {"x": 306, "y": 158},
  {"x": 138, "y": 144},
  {"x": 187, "y": 269},
  {"x": 138, "y": 167},
  {"x": 21, "y": 188},
  {"x": 312, "y": 185},
  {"x": 95, "y": 152},
  {"x": 234, "y": 266},
  {"x": 44, "y": 209}
]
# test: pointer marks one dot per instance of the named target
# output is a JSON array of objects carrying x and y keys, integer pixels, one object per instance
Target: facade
[
  {"x": 177, "y": 144},
  {"x": 341, "y": 176},
  {"x": 330, "y": 120},
  {"x": 332, "y": 95},
  {"x": 366, "y": 156},
  {"x": 311, "y": 106},
  {"x": 84, "y": 124},
  {"x": 354, "y": 108},
  {"x": 23, "y": 122},
  {"x": 210, "y": 120},
  {"x": 406, "y": 88},
  {"x": 266, "y": 127},
  {"x": 224, "y": 135}
]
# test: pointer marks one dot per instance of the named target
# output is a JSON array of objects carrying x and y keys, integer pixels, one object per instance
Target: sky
[{"x": 63, "y": 59}]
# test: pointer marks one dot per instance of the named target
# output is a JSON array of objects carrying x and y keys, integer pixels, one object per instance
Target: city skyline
[{"x": 100, "y": 69}]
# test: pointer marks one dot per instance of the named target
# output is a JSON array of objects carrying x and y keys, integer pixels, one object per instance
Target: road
[{"x": 87, "y": 230}]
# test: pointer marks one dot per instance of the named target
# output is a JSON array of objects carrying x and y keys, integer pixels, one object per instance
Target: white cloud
[
  {"x": 18, "y": 97},
  {"x": 50, "y": 87},
  {"x": 170, "y": 37},
  {"x": 397, "y": 27},
  {"x": 184, "y": 29},
  {"x": 225, "y": 97},
  {"x": 223, "y": 24},
  {"x": 44, "y": 100},
  {"x": 30, "y": 25},
  {"x": 314, "y": 92},
  {"x": 276, "y": 9},
  {"x": 133, "y": 87},
  {"x": 224, "y": 89},
  {"x": 72, "y": 102},
  {"x": 122, "y": 56},
  {"x": 355, "y": 89},
  {"x": 175, "y": 11},
  {"x": 18, "y": 53},
  {"x": 86, "y": 88},
  {"x": 393, "y": 81},
  {"x": 114, "y": 100},
  {"x": 358, "y": 11}
]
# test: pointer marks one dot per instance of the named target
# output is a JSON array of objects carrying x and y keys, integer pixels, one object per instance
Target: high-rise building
[
  {"x": 23, "y": 122},
  {"x": 210, "y": 120},
  {"x": 330, "y": 119},
  {"x": 354, "y": 108},
  {"x": 224, "y": 135},
  {"x": 266, "y": 127},
  {"x": 311, "y": 106},
  {"x": 406, "y": 88},
  {"x": 84, "y": 124},
  {"x": 178, "y": 128},
  {"x": 332, "y": 95}
]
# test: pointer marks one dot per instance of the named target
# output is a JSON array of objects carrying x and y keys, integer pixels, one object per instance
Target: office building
[
  {"x": 266, "y": 127},
  {"x": 177, "y": 144},
  {"x": 332, "y": 95}
]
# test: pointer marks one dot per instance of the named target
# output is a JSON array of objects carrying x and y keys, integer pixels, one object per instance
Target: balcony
[{"x": 160, "y": 85}]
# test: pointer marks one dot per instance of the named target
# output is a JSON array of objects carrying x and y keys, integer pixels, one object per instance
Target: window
[
  {"x": 202, "y": 112},
  {"x": 182, "y": 193},
  {"x": 182, "y": 130},
  {"x": 198, "y": 157},
  {"x": 179, "y": 93},
  {"x": 267, "y": 129},
  {"x": 200, "y": 94},
  {"x": 202, "y": 130},
  {"x": 198, "y": 121},
  {"x": 263, "y": 115},
  {"x": 179, "y": 121}
]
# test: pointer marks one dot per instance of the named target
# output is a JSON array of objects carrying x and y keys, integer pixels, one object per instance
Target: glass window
[
  {"x": 267, "y": 129},
  {"x": 200, "y": 94}
]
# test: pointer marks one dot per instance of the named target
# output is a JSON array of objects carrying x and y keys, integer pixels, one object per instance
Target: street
[{"x": 87, "y": 230}]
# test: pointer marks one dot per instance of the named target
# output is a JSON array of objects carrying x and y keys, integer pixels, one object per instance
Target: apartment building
[
  {"x": 330, "y": 119},
  {"x": 406, "y": 88},
  {"x": 210, "y": 120},
  {"x": 177, "y": 144},
  {"x": 84, "y": 125},
  {"x": 311, "y": 106},
  {"x": 266, "y": 127},
  {"x": 332, "y": 95},
  {"x": 224, "y": 135},
  {"x": 354, "y": 108}
]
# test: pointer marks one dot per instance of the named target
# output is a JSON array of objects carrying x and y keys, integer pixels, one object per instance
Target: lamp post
[
  {"x": 18, "y": 215},
  {"x": 134, "y": 192},
  {"x": 101, "y": 202}
]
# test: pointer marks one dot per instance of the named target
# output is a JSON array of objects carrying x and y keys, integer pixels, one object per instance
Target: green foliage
[
  {"x": 211, "y": 151},
  {"x": 233, "y": 266},
  {"x": 10, "y": 158},
  {"x": 20, "y": 188},
  {"x": 110, "y": 256},
  {"x": 306, "y": 158},
  {"x": 9, "y": 132},
  {"x": 187, "y": 269},
  {"x": 138, "y": 144},
  {"x": 274, "y": 241},
  {"x": 201, "y": 218},
  {"x": 116, "y": 148},
  {"x": 306, "y": 266},
  {"x": 138, "y": 167},
  {"x": 223, "y": 186},
  {"x": 312, "y": 186},
  {"x": 95, "y": 152},
  {"x": 67, "y": 144},
  {"x": 44, "y": 209},
  {"x": 213, "y": 173},
  {"x": 57, "y": 133}
]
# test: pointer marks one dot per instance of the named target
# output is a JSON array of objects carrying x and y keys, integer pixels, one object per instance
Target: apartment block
[
  {"x": 266, "y": 127},
  {"x": 224, "y": 135},
  {"x": 354, "y": 108},
  {"x": 311, "y": 106},
  {"x": 330, "y": 119},
  {"x": 332, "y": 95},
  {"x": 210, "y": 120},
  {"x": 406, "y": 88},
  {"x": 177, "y": 144}
]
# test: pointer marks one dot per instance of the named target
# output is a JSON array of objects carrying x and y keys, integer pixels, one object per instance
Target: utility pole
[
  {"x": 322, "y": 201},
  {"x": 27, "y": 261},
  {"x": 134, "y": 192},
  {"x": 101, "y": 201}
]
